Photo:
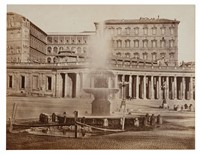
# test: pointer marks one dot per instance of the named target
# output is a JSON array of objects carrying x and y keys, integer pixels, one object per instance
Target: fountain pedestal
[
  {"x": 101, "y": 104},
  {"x": 100, "y": 107}
]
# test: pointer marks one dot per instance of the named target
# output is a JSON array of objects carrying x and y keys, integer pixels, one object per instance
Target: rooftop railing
[{"x": 82, "y": 64}]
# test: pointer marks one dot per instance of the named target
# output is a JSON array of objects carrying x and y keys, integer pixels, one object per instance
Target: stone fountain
[{"x": 101, "y": 91}]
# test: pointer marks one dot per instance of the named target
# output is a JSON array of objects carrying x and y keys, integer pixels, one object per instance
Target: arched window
[
  {"x": 171, "y": 43},
  {"x": 118, "y": 54},
  {"x": 67, "y": 41},
  {"x": 154, "y": 43},
  {"x": 162, "y": 43},
  {"x": 73, "y": 49},
  {"x": 154, "y": 30},
  {"x": 154, "y": 56},
  {"x": 55, "y": 49},
  {"x": 84, "y": 49},
  {"x": 127, "y": 43},
  {"x": 171, "y": 56},
  {"x": 171, "y": 30},
  {"x": 128, "y": 30},
  {"x": 136, "y": 55},
  {"x": 163, "y": 30},
  {"x": 145, "y": 56},
  {"x": 119, "y": 43},
  {"x": 61, "y": 48},
  {"x": 54, "y": 59},
  {"x": 111, "y": 30},
  {"x": 68, "y": 49},
  {"x": 162, "y": 55},
  {"x": 49, "y": 60},
  {"x": 79, "y": 41},
  {"x": 119, "y": 30},
  {"x": 136, "y": 43},
  {"x": 79, "y": 49},
  {"x": 55, "y": 39},
  {"x": 145, "y": 43},
  {"x": 145, "y": 30},
  {"x": 127, "y": 54},
  {"x": 136, "y": 30}
]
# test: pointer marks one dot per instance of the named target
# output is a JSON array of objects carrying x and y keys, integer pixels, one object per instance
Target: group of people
[
  {"x": 184, "y": 107},
  {"x": 152, "y": 120},
  {"x": 177, "y": 107},
  {"x": 149, "y": 120}
]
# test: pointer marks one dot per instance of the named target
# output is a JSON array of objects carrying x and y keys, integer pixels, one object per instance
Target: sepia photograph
[{"x": 91, "y": 77}]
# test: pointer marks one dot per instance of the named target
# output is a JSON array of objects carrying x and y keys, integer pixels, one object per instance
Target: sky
[{"x": 77, "y": 18}]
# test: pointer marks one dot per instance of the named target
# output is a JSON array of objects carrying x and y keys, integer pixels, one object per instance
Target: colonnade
[
  {"x": 139, "y": 85},
  {"x": 68, "y": 84},
  {"x": 156, "y": 87}
]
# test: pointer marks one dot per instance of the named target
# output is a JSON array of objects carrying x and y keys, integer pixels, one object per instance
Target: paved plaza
[{"x": 177, "y": 132}]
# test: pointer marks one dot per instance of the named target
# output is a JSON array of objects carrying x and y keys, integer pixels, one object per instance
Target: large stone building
[{"x": 143, "y": 58}]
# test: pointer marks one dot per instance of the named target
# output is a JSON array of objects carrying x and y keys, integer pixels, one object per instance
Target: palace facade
[{"x": 143, "y": 58}]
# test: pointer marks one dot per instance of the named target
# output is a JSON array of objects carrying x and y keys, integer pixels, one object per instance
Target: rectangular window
[
  {"x": 35, "y": 82},
  {"x": 10, "y": 81},
  {"x": 127, "y": 43},
  {"x": 154, "y": 31},
  {"x": 171, "y": 55},
  {"x": 119, "y": 31},
  {"x": 154, "y": 56},
  {"x": 136, "y": 30},
  {"x": 171, "y": 43},
  {"x": 136, "y": 55},
  {"x": 22, "y": 82},
  {"x": 145, "y": 43},
  {"x": 162, "y": 30},
  {"x": 154, "y": 43},
  {"x": 145, "y": 31},
  {"x": 145, "y": 56},
  {"x": 136, "y": 43},
  {"x": 111, "y": 30},
  {"x": 162, "y": 43},
  {"x": 172, "y": 31},
  {"x": 128, "y": 31},
  {"x": 49, "y": 83},
  {"x": 119, "y": 43}
]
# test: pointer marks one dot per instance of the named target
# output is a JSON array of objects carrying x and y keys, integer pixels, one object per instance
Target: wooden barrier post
[{"x": 76, "y": 127}]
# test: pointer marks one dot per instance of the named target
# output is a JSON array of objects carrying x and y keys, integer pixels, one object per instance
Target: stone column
[
  {"x": 172, "y": 83},
  {"x": 167, "y": 87},
  {"x": 137, "y": 87},
  {"x": 191, "y": 88},
  {"x": 130, "y": 86},
  {"x": 109, "y": 82},
  {"x": 116, "y": 81},
  {"x": 57, "y": 83},
  {"x": 66, "y": 85},
  {"x": 183, "y": 91},
  {"x": 144, "y": 87},
  {"x": 159, "y": 88},
  {"x": 122, "y": 90},
  {"x": 110, "y": 86},
  {"x": 116, "y": 85},
  {"x": 181, "y": 88},
  {"x": 30, "y": 82},
  {"x": 84, "y": 81},
  {"x": 53, "y": 84},
  {"x": 152, "y": 88},
  {"x": 175, "y": 87},
  {"x": 77, "y": 85},
  {"x": 92, "y": 82}
]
